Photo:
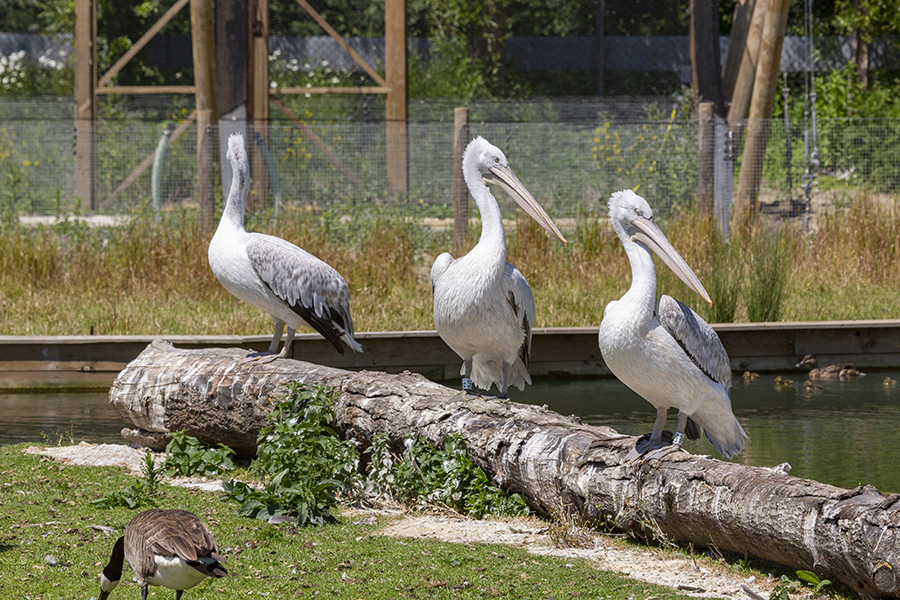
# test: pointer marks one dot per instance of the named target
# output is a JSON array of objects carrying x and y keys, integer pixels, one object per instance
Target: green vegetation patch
[{"x": 54, "y": 541}]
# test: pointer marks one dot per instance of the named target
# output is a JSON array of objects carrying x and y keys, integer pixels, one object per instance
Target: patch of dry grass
[{"x": 152, "y": 277}]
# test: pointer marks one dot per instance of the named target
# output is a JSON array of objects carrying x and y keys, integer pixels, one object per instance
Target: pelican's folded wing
[
  {"x": 521, "y": 301},
  {"x": 696, "y": 337},
  {"x": 313, "y": 289}
]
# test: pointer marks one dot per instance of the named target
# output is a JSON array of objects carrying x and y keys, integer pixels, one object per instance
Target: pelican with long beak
[
  {"x": 483, "y": 307},
  {"x": 662, "y": 349}
]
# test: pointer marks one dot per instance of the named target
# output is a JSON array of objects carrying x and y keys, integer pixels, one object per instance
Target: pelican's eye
[
  {"x": 639, "y": 212},
  {"x": 496, "y": 159}
]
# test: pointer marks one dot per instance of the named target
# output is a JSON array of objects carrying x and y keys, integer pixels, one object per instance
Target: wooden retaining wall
[{"x": 92, "y": 362}]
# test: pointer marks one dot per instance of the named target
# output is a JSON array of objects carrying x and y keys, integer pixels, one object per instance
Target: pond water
[{"x": 844, "y": 434}]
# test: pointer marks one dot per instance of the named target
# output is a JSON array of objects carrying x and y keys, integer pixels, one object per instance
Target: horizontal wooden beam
[
  {"x": 138, "y": 90},
  {"x": 286, "y": 91}
]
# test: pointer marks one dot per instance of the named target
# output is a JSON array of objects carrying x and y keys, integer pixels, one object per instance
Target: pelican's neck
[
  {"x": 492, "y": 243},
  {"x": 642, "y": 293},
  {"x": 237, "y": 196}
]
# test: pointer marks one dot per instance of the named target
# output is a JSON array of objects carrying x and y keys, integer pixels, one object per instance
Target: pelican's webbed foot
[
  {"x": 646, "y": 447},
  {"x": 259, "y": 358}
]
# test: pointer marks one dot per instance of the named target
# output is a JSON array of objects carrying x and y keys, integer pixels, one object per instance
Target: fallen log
[{"x": 557, "y": 463}]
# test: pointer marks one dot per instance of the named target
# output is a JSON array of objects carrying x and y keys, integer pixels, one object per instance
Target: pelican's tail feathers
[
  {"x": 486, "y": 373},
  {"x": 728, "y": 443},
  {"x": 518, "y": 374},
  {"x": 722, "y": 429},
  {"x": 351, "y": 342}
]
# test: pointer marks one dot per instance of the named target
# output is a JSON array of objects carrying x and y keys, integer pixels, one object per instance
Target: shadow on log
[{"x": 557, "y": 463}]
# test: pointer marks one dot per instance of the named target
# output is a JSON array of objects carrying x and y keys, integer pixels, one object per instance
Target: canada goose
[
  {"x": 169, "y": 548},
  {"x": 837, "y": 371}
]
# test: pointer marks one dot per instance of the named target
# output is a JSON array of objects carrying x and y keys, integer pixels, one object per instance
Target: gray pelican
[
  {"x": 837, "y": 371},
  {"x": 287, "y": 282},
  {"x": 483, "y": 307},
  {"x": 662, "y": 349},
  {"x": 169, "y": 548}
]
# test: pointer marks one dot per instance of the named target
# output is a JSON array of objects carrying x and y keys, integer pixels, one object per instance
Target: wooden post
[
  {"x": 203, "y": 38},
  {"x": 395, "y": 77},
  {"x": 85, "y": 102},
  {"x": 600, "y": 45},
  {"x": 742, "y": 89},
  {"x": 706, "y": 72},
  {"x": 740, "y": 27},
  {"x": 258, "y": 101},
  {"x": 460, "y": 192},
  {"x": 764, "y": 87},
  {"x": 706, "y": 176}
]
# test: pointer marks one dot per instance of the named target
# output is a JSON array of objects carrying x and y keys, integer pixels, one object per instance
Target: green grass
[
  {"x": 151, "y": 277},
  {"x": 49, "y": 550}
]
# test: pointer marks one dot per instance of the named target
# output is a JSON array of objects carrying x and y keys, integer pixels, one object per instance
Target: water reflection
[
  {"x": 59, "y": 418},
  {"x": 843, "y": 433}
]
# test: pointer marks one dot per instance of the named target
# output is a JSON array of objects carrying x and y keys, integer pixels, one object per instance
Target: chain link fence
[{"x": 571, "y": 154}]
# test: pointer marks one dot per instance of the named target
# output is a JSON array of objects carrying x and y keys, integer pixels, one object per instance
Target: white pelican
[
  {"x": 287, "y": 282},
  {"x": 483, "y": 307},
  {"x": 662, "y": 349},
  {"x": 169, "y": 548}
]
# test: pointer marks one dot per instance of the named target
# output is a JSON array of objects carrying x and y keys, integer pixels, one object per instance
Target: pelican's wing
[
  {"x": 696, "y": 338},
  {"x": 441, "y": 264},
  {"x": 521, "y": 301},
  {"x": 311, "y": 288}
]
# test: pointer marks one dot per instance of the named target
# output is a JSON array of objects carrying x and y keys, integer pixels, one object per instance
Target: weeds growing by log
[{"x": 303, "y": 466}]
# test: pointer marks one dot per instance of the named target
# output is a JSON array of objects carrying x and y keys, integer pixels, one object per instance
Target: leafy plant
[
  {"x": 813, "y": 580},
  {"x": 187, "y": 456},
  {"x": 143, "y": 493},
  {"x": 302, "y": 459},
  {"x": 448, "y": 476}
]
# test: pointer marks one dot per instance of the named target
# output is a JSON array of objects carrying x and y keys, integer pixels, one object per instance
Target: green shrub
[
  {"x": 302, "y": 460},
  {"x": 447, "y": 476},
  {"x": 188, "y": 457}
]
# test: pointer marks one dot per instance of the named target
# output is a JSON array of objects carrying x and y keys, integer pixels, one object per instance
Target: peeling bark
[{"x": 557, "y": 463}]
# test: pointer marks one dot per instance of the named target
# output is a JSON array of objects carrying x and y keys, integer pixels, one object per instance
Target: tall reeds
[{"x": 151, "y": 276}]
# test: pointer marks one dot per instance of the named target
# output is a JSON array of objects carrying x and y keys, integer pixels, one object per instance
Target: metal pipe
[
  {"x": 273, "y": 173},
  {"x": 156, "y": 173}
]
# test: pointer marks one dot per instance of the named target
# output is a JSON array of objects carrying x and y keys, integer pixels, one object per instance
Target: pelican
[
  {"x": 290, "y": 284},
  {"x": 662, "y": 349},
  {"x": 483, "y": 307},
  {"x": 837, "y": 371},
  {"x": 169, "y": 548}
]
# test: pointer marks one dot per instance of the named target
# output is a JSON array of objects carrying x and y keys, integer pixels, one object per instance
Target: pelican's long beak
[
  {"x": 506, "y": 179},
  {"x": 651, "y": 235}
]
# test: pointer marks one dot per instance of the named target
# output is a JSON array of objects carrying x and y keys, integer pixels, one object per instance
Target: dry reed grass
[{"x": 151, "y": 277}]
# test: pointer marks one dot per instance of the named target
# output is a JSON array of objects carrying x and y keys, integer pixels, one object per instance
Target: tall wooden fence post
[
  {"x": 460, "y": 192},
  {"x": 85, "y": 102},
  {"x": 395, "y": 109},
  {"x": 203, "y": 41},
  {"x": 706, "y": 175},
  {"x": 764, "y": 87}
]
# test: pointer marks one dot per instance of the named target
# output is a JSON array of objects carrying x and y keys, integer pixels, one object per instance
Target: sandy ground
[{"x": 703, "y": 577}]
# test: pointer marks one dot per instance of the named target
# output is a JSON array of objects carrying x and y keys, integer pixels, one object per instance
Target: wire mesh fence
[{"x": 570, "y": 154}]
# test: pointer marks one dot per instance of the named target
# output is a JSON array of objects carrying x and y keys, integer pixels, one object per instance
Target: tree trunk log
[{"x": 557, "y": 463}]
